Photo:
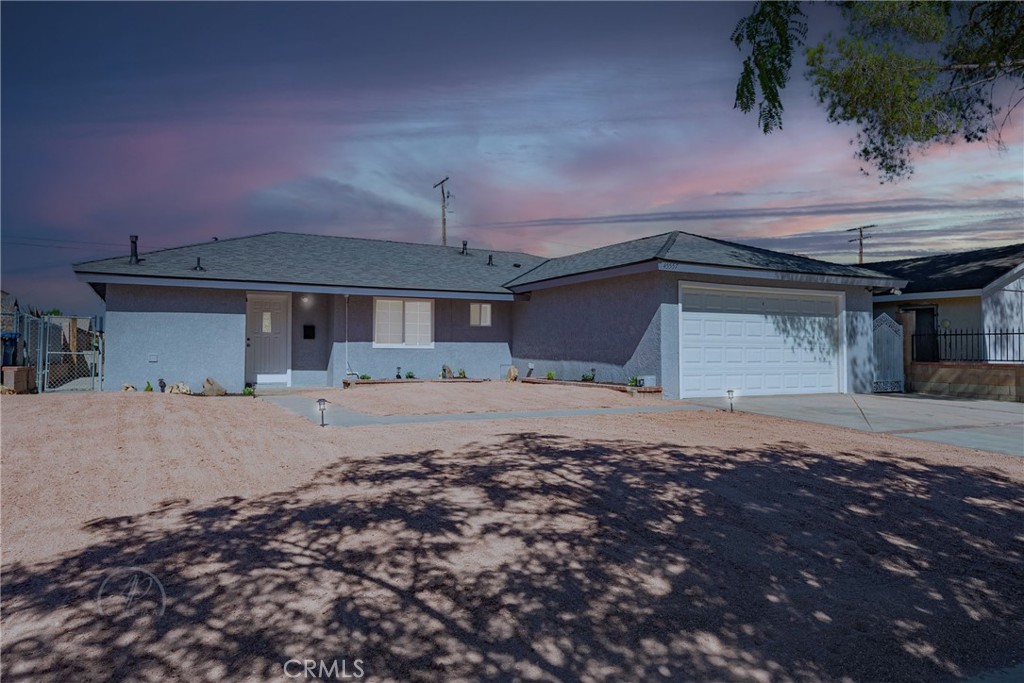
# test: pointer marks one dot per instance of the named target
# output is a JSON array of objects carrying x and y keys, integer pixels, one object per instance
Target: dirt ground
[
  {"x": 430, "y": 398},
  {"x": 683, "y": 546}
]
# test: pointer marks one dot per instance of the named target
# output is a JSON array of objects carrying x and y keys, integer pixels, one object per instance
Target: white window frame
[
  {"x": 480, "y": 315},
  {"x": 403, "y": 345}
]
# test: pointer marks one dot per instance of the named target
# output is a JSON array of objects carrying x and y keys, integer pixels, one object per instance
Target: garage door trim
[{"x": 839, "y": 299}]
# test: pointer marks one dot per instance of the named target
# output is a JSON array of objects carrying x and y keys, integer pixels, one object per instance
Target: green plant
[
  {"x": 149, "y": 387},
  {"x": 364, "y": 377},
  {"x": 248, "y": 391},
  {"x": 462, "y": 373},
  {"x": 410, "y": 375},
  {"x": 633, "y": 381},
  {"x": 586, "y": 377},
  {"x": 551, "y": 374}
]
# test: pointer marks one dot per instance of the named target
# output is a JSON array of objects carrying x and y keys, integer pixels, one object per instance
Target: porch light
[
  {"x": 321, "y": 404},
  {"x": 730, "y": 393}
]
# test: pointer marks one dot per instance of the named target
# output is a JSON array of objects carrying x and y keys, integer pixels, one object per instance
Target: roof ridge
[
  {"x": 669, "y": 243},
  {"x": 214, "y": 240},
  {"x": 1014, "y": 245},
  {"x": 298, "y": 234}
]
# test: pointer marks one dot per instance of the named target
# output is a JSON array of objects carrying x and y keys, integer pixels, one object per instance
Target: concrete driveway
[{"x": 988, "y": 425}]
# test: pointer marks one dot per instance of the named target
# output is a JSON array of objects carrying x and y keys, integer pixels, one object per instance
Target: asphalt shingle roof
[
  {"x": 291, "y": 258},
  {"x": 948, "y": 272},
  {"x": 299, "y": 259},
  {"x": 684, "y": 247}
]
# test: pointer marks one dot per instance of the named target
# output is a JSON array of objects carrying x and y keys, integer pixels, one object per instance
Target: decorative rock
[
  {"x": 179, "y": 388},
  {"x": 513, "y": 374},
  {"x": 128, "y": 387},
  {"x": 213, "y": 388}
]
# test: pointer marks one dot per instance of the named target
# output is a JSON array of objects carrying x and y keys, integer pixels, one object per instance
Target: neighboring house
[
  {"x": 958, "y": 296},
  {"x": 695, "y": 315}
]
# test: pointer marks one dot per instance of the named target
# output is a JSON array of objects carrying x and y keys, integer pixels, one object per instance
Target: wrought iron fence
[{"x": 968, "y": 346}]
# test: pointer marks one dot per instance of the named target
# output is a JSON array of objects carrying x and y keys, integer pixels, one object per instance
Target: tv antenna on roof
[
  {"x": 446, "y": 197},
  {"x": 860, "y": 239}
]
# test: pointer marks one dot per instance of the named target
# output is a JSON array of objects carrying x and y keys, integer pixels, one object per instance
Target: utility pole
[
  {"x": 444, "y": 211},
  {"x": 859, "y": 239}
]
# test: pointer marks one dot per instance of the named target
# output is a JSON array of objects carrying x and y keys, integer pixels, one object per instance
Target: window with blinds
[{"x": 403, "y": 322}]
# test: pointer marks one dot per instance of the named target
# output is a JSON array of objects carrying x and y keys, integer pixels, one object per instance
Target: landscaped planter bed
[
  {"x": 603, "y": 385},
  {"x": 454, "y": 380}
]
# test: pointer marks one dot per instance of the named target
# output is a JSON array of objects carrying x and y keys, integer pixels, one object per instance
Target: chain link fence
[{"x": 65, "y": 350}]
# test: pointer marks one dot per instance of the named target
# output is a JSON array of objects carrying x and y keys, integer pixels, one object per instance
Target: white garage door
[{"x": 757, "y": 342}]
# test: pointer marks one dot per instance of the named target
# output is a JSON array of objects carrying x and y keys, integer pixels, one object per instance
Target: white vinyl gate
[{"x": 888, "y": 353}]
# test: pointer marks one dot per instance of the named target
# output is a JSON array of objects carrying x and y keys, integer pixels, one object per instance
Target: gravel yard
[{"x": 671, "y": 546}]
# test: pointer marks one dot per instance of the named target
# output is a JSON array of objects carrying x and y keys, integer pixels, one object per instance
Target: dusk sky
[{"x": 562, "y": 126}]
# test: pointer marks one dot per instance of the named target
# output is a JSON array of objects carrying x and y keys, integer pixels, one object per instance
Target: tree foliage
[{"x": 906, "y": 74}]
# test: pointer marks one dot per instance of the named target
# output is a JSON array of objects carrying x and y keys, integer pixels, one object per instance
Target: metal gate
[
  {"x": 888, "y": 355},
  {"x": 65, "y": 350}
]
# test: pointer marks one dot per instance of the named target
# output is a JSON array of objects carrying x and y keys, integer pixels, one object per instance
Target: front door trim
[{"x": 250, "y": 372}]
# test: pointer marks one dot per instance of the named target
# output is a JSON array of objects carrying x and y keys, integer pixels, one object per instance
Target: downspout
[{"x": 348, "y": 369}]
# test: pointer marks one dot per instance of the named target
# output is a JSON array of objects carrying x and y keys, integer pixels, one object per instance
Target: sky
[{"x": 562, "y": 127}]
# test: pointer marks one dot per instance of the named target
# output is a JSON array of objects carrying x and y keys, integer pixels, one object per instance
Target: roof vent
[
  {"x": 198, "y": 266},
  {"x": 134, "y": 258},
  {"x": 465, "y": 244},
  {"x": 517, "y": 265},
  {"x": 490, "y": 259}
]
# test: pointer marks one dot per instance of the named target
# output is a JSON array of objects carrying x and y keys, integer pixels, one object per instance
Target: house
[
  {"x": 972, "y": 300},
  {"x": 693, "y": 314}
]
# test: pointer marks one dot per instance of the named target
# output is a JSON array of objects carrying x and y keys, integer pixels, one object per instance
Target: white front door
[
  {"x": 267, "y": 338},
  {"x": 757, "y": 341}
]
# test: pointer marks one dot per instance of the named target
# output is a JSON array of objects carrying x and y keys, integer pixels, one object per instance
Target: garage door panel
[{"x": 767, "y": 342}]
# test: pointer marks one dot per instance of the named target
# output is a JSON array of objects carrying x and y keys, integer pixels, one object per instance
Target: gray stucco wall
[
  {"x": 311, "y": 357},
  {"x": 177, "y": 333},
  {"x": 482, "y": 352},
  {"x": 613, "y": 326},
  {"x": 629, "y": 326}
]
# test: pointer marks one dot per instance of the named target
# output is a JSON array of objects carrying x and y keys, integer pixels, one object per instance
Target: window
[
  {"x": 480, "y": 315},
  {"x": 403, "y": 322}
]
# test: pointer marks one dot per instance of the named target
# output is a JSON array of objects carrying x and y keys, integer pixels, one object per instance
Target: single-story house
[
  {"x": 958, "y": 296},
  {"x": 695, "y": 315}
]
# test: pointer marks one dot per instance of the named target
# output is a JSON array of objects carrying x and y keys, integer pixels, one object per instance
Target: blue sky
[{"x": 562, "y": 127}]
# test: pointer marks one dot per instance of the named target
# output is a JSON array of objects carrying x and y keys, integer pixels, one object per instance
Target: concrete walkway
[
  {"x": 987, "y": 425},
  {"x": 336, "y": 416}
]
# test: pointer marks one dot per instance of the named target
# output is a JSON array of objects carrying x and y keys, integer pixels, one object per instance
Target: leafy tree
[{"x": 906, "y": 74}]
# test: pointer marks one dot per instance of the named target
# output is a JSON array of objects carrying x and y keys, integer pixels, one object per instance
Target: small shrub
[
  {"x": 462, "y": 373},
  {"x": 364, "y": 377},
  {"x": 633, "y": 381},
  {"x": 149, "y": 387},
  {"x": 410, "y": 375},
  {"x": 248, "y": 391},
  {"x": 586, "y": 377},
  {"x": 551, "y": 374}
]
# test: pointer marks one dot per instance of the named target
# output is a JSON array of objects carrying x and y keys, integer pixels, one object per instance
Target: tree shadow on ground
[{"x": 550, "y": 558}]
